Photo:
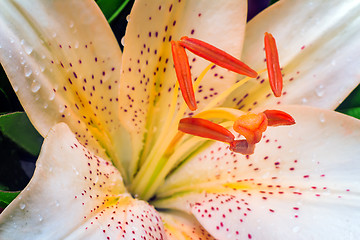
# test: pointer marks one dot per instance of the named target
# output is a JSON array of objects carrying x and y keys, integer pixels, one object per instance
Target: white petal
[
  {"x": 64, "y": 63},
  {"x": 181, "y": 226},
  {"x": 302, "y": 182},
  {"x": 316, "y": 42},
  {"x": 75, "y": 195},
  {"x": 148, "y": 76}
]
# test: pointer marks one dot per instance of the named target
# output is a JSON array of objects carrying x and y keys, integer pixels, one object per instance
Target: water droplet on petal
[
  {"x": 28, "y": 49},
  {"x": 22, "y": 60},
  {"x": 57, "y": 203},
  {"x": 27, "y": 70},
  {"x": 22, "y": 206},
  {"x": 35, "y": 86},
  {"x": 71, "y": 25},
  {"x": 51, "y": 96},
  {"x": 76, "y": 45},
  {"x": 46, "y": 105},
  {"x": 128, "y": 18},
  {"x": 322, "y": 117},
  {"x": 40, "y": 218},
  {"x": 304, "y": 100},
  {"x": 319, "y": 90},
  {"x": 54, "y": 35},
  {"x": 61, "y": 108},
  {"x": 16, "y": 88},
  {"x": 123, "y": 41}
]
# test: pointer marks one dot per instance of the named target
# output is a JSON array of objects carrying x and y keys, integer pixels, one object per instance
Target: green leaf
[
  {"x": 112, "y": 8},
  {"x": 354, "y": 112},
  {"x": 353, "y": 100},
  {"x": 19, "y": 129},
  {"x": 7, "y": 197},
  {"x": 272, "y": 2}
]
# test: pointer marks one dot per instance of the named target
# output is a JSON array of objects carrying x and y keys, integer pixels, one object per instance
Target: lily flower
[{"x": 113, "y": 164}]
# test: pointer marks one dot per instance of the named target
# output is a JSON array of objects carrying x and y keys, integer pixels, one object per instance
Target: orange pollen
[
  {"x": 251, "y": 126},
  {"x": 273, "y": 66},
  {"x": 204, "y": 128},
  {"x": 217, "y": 56},
  {"x": 183, "y": 74},
  {"x": 278, "y": 118}
]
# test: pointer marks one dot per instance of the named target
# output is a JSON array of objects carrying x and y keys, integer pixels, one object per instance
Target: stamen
[
  {"x": 251, "y": 126},
  {"x": 278, "y": 118},
  {"x": 242, "y": 146},
  {"x": 183, "y": 74},
  {"x": 273, "y": 66},
  {"x": 217, "y": 56},
  {"x": 205, "y": 128}
]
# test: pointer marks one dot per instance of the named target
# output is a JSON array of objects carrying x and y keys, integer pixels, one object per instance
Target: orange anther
[
  {"x": 278, "y": 118},
  {"x": 183, "y": 74},
  {"x": 273, "y": 66},
  {"x": 204, "y": 128},
  {"x": 242, "y": 146},
  {"x": 251, "y": 126},
  {"x": 217, "y": 56}
]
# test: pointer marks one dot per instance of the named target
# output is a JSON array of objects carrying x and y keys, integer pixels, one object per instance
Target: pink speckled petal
[
  {"x": 148, "y": 76},
  {"x": 183, "y": 226},
  {"x": 316, "y": 42},
  {"x": 64, "y": 63},
  {"x": 76, "y": 195},
  {"x": 302, "y": 182}
]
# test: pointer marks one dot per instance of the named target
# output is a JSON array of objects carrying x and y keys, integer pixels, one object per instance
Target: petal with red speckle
[
  {"x": 302, "y": 180},
  {"x": 76, "y": 195},
  {"x": 64, "y": 62},
  {"x": 148, "y": 76},
  {"x": 183, "y": 226},
  {"x": 316, "y": 51}
]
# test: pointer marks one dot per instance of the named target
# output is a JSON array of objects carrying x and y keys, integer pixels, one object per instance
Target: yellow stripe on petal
[{"x": 64, "y": 63}]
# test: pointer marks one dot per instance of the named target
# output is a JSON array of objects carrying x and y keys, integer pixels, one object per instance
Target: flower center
[{"x": 183, "y": 133}]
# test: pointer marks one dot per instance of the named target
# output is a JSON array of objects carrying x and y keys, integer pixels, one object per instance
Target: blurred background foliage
[{"x": 19, "y": 141}]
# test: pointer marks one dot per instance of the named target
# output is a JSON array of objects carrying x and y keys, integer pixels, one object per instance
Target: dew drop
[
  {"x": 76, "y": 44},
  {"x": 304, "y": 100},
  {"x": 50, "y": 169},
  {"x": 22, "y": 206},
  {"x": 61, "y": 108},
  {"x": 322, "y": 117},
  {"x": 128, "y": 18},
  {"x": 16, "y": 88},
  {"x": 40, "y": 218},
  {"x": 123, "y": 41},
  {"x": 27, "y": 71},
  {"x": 71, "y": 25},
  {"x": 76, "y": 171},
  {"x": 22, "y": 60},
  {"x": 57, "y": 203},
  {"x": 52, "y": 96},
  {"x": 28, "y": 49},
  {"x": 35, "y": 86},
  {"x": 54, "y": 35},
  {"x": 46, "y": 105},
  {"x": 319, "y": 90}
]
